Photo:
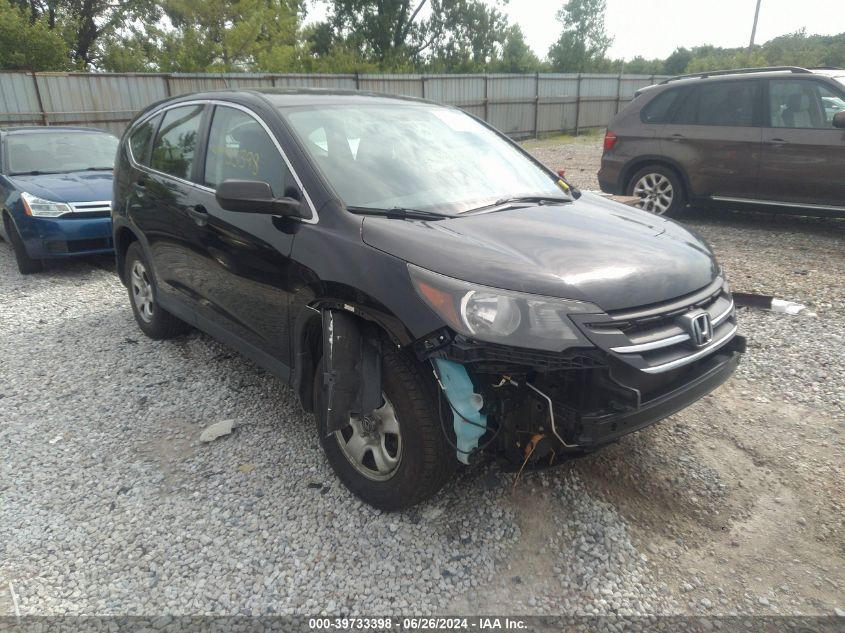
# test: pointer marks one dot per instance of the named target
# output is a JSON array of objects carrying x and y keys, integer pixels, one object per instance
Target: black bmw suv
[{"x": 433, "y": 294}]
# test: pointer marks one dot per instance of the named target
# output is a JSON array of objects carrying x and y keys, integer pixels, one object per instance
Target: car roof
[
  {"x": 746, "y": 73},
  {"x": 738, "y": 75},
  {"x": 281, "y": 97},
  {"x": 29, "y": 129}
]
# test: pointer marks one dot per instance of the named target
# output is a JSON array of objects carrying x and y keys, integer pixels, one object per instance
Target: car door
[
  {"x": 159, "y": 201},
  {"x": 239, "y": 263},
  {"x": 715, "y": 135},
  {"x": 803, "y": 154}
]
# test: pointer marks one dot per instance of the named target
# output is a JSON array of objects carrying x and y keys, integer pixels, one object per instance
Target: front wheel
[
  {"x": 395, "y": 456},
  {"x": 659, "y": 189},
  {"x": 26, "y": 264}
]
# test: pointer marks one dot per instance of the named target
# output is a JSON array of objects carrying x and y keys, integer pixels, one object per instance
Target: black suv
[
  {"x": 431, "y": 292},
  {"x": 763, "y": 137}
]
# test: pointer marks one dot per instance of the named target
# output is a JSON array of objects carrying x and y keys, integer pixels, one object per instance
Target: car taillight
[{"x": 609, "y": 141}]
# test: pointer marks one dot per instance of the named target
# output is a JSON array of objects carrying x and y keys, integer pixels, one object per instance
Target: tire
[
  {"x": 26, "y": 264},
  {"x": 425, "y": 460},
  {"x": 660, "y": 188},
  {"x": 154, "y": 321}
]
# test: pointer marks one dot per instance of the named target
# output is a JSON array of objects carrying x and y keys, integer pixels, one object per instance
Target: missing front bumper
[
  {"x": 580, "y": 401},
  {"x": 593, "y": 431}
]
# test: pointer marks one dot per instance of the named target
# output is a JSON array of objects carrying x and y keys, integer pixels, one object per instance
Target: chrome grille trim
[
  {"x": 99, "y": 206},
  {"x": 704, "y": 296},
  {"x": 686, "y": 360},
  {"x": 721, "y": 318},
  {"x": 671, "y": 340},
  {"x": 645, "y": 347}
]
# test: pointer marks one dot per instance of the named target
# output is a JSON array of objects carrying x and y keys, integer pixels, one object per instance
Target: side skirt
[{"x": 262, "y": 358}]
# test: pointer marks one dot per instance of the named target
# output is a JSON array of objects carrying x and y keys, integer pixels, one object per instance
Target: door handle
[
  {"x": 778, "y": 141},
  {"x": 199, "y": 214},
  {"x": 677, "y": 137}
]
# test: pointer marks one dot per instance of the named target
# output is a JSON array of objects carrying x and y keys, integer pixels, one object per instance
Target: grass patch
[{"x": 586, "y": 137}]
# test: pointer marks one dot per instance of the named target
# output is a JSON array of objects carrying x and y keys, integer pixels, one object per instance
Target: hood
[
  {"x": 589, "y": 250},
  {"x": 81, "y": 186}
]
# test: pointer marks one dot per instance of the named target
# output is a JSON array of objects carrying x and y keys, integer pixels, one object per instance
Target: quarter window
[
  {"x": 802, "y": 104},
  {"x": 176, "y": 143},
  {"x": 141, "y": 139},
  {"x": 658, "y": 110},
  {"x": 239, "y": 148}
]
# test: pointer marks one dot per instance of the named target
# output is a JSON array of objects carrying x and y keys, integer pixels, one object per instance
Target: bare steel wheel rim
[
  {"x": 373, "y": 443},
  {"x": 656, "y": 193},
  {"x": 142, "y": 291}
]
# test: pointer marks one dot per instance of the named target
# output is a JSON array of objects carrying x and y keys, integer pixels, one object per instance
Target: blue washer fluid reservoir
[{"x": 465, "y": 402}]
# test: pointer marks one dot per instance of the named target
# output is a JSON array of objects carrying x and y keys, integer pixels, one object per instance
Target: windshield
[
  {"x": 415, "y": 157},
  {"x": 59, "y": 152}
]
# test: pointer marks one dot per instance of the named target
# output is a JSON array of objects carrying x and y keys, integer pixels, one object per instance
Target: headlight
[
  {"x": 502, "y": 316},
  {"x": 41, "y": 208}
]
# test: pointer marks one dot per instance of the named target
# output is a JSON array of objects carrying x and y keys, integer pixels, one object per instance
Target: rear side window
[
  {"x": 239, "y": 148},
  {"x": 658, "y": 110},
  {"x": 141, "y": 139},
  {"x": 723, "y": 104},
  {"x": 175, "y": 147}
]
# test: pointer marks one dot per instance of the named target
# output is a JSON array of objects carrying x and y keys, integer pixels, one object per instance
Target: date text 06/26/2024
[{"x": 417, "y": 624}]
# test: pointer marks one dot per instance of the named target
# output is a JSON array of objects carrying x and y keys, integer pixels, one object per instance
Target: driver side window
[
  {"x": 802, "y": 104},
  {"x": 239, "y": 148}
]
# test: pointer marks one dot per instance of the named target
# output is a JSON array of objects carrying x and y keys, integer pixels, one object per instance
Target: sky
[{"x": 655, "y": 28}]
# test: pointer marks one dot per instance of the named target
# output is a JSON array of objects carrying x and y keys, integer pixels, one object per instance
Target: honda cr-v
[{"x": 432, "y": 293}]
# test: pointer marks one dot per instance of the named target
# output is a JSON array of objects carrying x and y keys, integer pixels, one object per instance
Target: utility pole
[{"x": 754, "y": 28}]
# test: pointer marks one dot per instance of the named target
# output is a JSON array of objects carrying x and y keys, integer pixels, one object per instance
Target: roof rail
[{"x": 738, "y": 71}]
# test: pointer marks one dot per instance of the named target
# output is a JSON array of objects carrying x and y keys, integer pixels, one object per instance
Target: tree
[
  {"x": 641, "y": 66},
  {"x": 86, "y": 24},
  {"x": 388, "y": 32},
  {"x": 677, "y": 62},
  {"x": 467, "y": 36},
  {"x": 27, "y": 43},
  {"x": 583, "y": 43},
  {"x": 214, "y": 36},
  {"x": 517, "y": 56},
  {"x": 409, "y": 34}
]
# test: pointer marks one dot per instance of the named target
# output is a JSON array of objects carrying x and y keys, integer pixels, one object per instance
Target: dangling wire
[
  {"x": 521, "y": 468},
  {"x": 446, "y": 434}
]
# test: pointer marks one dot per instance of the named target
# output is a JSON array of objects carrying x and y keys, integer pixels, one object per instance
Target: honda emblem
[{"x": 699, "y": 327}]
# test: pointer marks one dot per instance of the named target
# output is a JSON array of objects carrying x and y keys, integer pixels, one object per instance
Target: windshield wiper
[
  {"x": 97, "y": 169},
  {"x": 505, "y": 202},
  {"x": 34, "y": 172},
  {"x": 399, "y": 213}
]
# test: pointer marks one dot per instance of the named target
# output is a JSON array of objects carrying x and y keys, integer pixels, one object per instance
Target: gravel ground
[{"x": 110, "y": 505}]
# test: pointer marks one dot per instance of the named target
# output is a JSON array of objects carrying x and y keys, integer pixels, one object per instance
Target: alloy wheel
[
  {"x": 655, "y": 192},
  {"x": 142, "y": 291},
  {"x": 373, "y": 443}
]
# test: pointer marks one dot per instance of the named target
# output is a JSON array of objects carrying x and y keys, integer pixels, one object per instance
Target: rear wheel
[
  {"x": 26, "y": 264},
  {"x": 659, "y": 189},
  {"x": 153, "y": 320},
  {"x": 396, "y": 455}
]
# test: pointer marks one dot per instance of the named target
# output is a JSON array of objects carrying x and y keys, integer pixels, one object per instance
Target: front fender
[{"x": 309, "y": 338}]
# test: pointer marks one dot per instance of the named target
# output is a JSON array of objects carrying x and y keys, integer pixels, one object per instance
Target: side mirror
[
  {"x": 254, "y": 196},
  {"x": 839, "y": 119}
]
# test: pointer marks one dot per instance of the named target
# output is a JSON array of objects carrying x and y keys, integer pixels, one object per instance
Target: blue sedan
[{"x": 55, "y": 192}]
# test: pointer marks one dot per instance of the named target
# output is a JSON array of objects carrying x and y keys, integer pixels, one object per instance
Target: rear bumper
[
  {"x": 65, "y": 237},
  {"x": 594, "y": 431},
  {"x": 609, "y": 176}
]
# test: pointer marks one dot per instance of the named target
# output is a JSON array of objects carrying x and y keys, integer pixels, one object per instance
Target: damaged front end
[{"x": 615, "y": 374}]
